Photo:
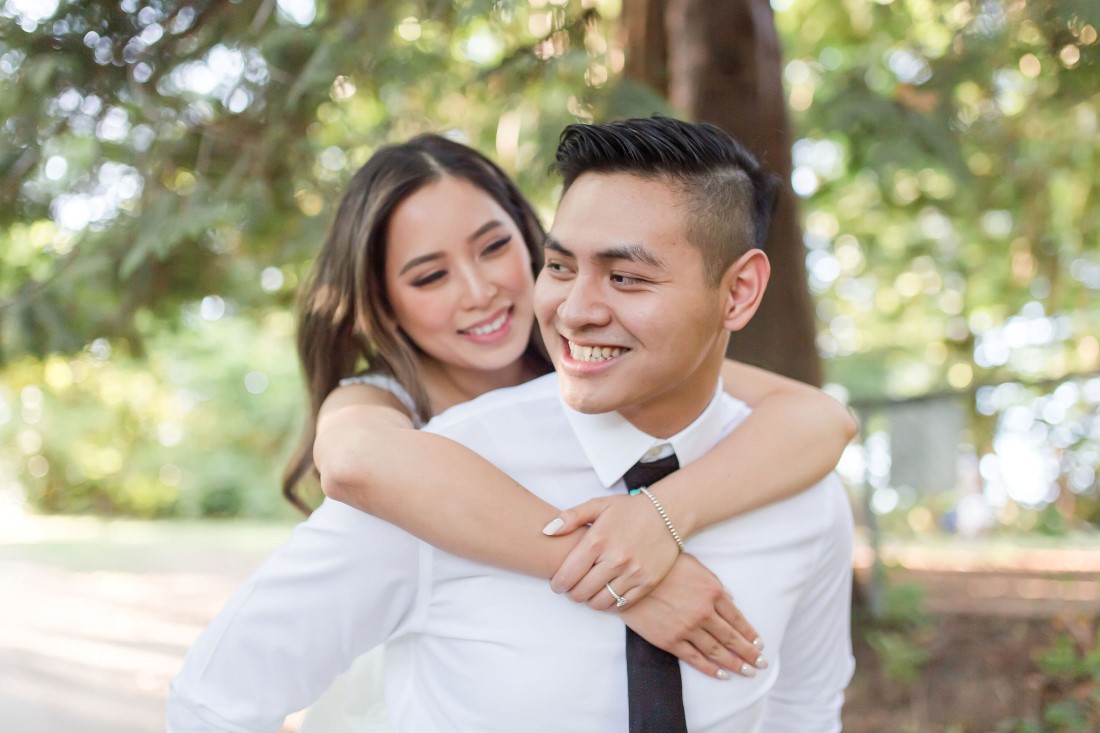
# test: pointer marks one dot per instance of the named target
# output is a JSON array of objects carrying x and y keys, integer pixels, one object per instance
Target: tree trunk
[{"x": 719, "y": 61}]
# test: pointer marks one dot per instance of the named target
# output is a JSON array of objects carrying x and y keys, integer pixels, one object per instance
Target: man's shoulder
[
  {"x": 822, "y": 508},
  {"x": 819, "y": 515},
  {"x": 527, "y": 399},
  {"x": 822, "y": 516}
]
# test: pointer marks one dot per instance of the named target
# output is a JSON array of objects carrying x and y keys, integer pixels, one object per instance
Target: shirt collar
[{"x": 613, "y": 445}]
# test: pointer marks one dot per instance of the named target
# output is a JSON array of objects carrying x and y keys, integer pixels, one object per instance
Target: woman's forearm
[
  {"x": 793, "y": 438},
  {"x": 445, "y": 494}
]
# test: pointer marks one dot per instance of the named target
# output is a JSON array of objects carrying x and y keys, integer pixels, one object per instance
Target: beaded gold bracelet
[{"x": 664, "y": 516}]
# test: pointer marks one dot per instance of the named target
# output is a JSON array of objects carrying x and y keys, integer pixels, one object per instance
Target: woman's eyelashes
[
  {"x": 428, "y": 279},
  {"x": 496, "y": 246}
]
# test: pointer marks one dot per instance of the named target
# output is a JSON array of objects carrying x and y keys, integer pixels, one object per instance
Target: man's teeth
[
  {"x": 593, "y": 353},
  {"x": 491, "y": 327}
]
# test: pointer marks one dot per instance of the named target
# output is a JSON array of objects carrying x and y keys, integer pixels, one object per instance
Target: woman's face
[{"x": 458, "y": 274}]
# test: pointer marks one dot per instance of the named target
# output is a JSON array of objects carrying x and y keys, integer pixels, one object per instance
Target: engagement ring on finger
[{"x": 620, "y": 601}]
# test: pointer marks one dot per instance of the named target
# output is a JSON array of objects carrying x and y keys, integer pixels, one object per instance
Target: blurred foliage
[
  {"x": 1039, "y": 474},
  {"x": 1070, "y": 683},
  {"x": 900, "y": 634},
  {"x": 195, "y": 427},
  {"x": 167, "y": 170},
  {"x": 949, "y": 151},
  {"x": 171, "y": 169}
]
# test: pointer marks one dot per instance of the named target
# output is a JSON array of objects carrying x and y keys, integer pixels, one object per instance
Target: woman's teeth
[
  {"x": 593, "y": 353},
  {"x": 489, "y": 328}
]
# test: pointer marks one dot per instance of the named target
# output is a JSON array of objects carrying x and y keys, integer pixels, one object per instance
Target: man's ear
[{"x": 743, "y": 286}]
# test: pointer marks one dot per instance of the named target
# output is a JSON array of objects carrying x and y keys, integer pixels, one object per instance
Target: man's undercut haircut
[{"x": 728, "y": 198}]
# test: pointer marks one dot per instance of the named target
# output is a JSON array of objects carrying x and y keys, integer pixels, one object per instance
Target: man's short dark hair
[{"x": 729, "y": 199}]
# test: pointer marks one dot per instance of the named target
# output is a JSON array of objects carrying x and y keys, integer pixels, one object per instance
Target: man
[{"x": 651, "y": 263}]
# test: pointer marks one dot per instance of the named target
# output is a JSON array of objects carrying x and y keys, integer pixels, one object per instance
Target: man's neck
[
  {"x": 613, "y": 444},
  {"x": 665, "y": 418}
]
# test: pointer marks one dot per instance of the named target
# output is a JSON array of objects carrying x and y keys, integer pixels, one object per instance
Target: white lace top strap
[{"x": 391, "y": 385}]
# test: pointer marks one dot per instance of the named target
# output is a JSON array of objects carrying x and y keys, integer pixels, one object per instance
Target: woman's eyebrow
[
  {"x": 419, "y": 261},
  {"x": 486, "y": 227}
]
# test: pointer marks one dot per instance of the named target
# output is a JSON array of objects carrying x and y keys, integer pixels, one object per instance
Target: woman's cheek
[{"x": 423, "y": 311}]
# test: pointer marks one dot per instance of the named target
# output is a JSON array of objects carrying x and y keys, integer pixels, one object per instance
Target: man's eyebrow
[
  {"x": 555, "y": 245},
  {"x": 628, "y": 252},
  {"x": 632, "y": 253}
]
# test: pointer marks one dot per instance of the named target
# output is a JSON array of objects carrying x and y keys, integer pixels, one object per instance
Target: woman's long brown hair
[{"x": 344, "y": 314}]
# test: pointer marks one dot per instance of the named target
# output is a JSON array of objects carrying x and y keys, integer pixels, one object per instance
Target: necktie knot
[{"x": 646, "y": 474}]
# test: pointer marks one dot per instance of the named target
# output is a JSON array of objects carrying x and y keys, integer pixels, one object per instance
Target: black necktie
[{"x": 654, "y": 688}]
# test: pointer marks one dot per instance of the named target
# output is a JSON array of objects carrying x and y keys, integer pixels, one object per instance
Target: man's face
[{"x": 628, "y": 316}]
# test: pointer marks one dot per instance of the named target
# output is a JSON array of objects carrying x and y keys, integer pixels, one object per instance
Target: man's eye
[
  {"x": 626, "y": 280},
  {"x": 429, "y": 278}
]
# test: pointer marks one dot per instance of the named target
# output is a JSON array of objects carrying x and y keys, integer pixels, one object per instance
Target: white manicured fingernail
[
  {"x": 758, "y": 643},
  {"x": 761, "y": 662},
  {"x": 722, "y": 674},
  {"x": 553, "y": 527},
  {"x": 747, "y": 670}
]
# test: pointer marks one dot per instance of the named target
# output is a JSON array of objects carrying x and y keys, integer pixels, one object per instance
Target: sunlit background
[
  {"x": 945, "y": 159},
  {"x": 168, "y": 170}
]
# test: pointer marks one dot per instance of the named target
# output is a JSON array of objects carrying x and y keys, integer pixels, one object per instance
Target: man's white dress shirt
[{"x": 476, "y": 649}]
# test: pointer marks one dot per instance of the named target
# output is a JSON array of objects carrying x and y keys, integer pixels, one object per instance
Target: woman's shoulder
[
  {"x": 375, "y": 379},
  {"x": 388, "y": 383}
]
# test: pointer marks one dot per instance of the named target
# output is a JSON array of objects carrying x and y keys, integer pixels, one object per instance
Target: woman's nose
[{"x": 479, "y": 289}]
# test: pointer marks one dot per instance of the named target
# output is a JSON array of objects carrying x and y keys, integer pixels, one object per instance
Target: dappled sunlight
[
  {"x": 979, "y": 555},
  {"x": 996, "y": 577}
]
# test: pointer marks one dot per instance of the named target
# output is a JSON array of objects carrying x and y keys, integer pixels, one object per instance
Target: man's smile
[{"x": 592, "y": 353}]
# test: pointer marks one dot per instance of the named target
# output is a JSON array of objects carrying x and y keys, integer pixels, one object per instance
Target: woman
[{"x": 426, "y": 277}]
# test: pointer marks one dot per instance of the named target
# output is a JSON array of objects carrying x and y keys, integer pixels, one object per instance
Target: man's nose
[{"x": 583, "y": 306}]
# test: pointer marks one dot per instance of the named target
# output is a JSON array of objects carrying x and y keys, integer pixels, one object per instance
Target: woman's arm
[
  {"x": 792, "y": 439},
  {"x": 370, "y": 456},
  {"x": 691, "y": 593}
]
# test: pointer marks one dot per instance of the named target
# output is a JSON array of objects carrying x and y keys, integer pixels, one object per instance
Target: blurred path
[
  {"x": 1012, "y": 578},
  {"x": 95, "y": 617}
]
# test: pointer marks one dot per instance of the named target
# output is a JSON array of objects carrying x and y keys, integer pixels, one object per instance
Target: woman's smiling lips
[{"x": 490, "y": 330}]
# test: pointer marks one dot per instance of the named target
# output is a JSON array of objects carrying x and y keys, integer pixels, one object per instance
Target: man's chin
[{"x": 583, "y": 400}]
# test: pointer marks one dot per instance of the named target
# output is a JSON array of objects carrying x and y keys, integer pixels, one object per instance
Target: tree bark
[
  {"x": 646, "y": 57},
  {"x": 719, "y": 61}
]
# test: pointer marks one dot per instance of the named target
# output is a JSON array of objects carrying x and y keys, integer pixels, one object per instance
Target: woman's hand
[
  {"x": 689, "y": 614},
  {"x": 627, "y": 546}
]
